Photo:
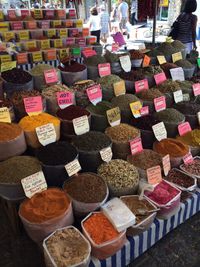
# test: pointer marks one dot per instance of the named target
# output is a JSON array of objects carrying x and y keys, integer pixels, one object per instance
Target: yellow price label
[
  {"x": 37, "y": 56},
  {"x": 63, "y": 53},
  {"x": 135, "y": 108},
  {"x": 51, "y": 33},
  {"x": 1, "y": 15},
  {"x": 79, "y": 23},
  {"x": 119, "y": 88},
  {"x": 8, "y": 65},
  {"x": 57, "y": 23},
  {"x": 5, "y": 115},
  {"x": 23, "y": 35},
  {"x": 38, "y": 14},
  {"x": 5, "y": 58},
  {"x": 8, "y": 36},
  {"x": 58, "y": 43},
  {"x": 176, "y": 56},
  {"x": 31, "y": 44},
  {"x": 63, "y": 33},
  {"x": 114, "y": 116},
  {"x": 161, "y": 59},
  {"x": 45, "y": 44}
]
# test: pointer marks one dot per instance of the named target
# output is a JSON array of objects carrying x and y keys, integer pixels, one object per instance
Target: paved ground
[{"x": 180, "y": 248}]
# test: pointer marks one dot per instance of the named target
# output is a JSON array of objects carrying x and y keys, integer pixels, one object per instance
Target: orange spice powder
[
  {"x": 100, "y": 228},
  {"x": 44, "y": 206}
]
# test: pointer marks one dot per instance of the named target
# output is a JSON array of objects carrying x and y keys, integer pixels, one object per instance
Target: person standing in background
[
  {"x": 134, "y": 6},
  {"x": 94, "y": 23},
  {"x": 123, "y": 15},
  {"x": 114, "y": 19},
  {"x": 187, "y": 23},
  {"x": 105, "y": 24}
]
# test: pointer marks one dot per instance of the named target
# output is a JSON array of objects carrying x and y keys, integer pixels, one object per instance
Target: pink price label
[
  {"x": 51, "y": 76},
  {"x": 94, "y": 93},
  {"x": 104, "y": 69},
  {"x": 141, "y": 85},
  {"x": 115, "y": 47},
  {"x": 25, "y": 13},
  {"x": 188, "y": 158},
  {"x": 89, "y": 53},
  {"x": 72, "y": 13},
  {"x": 160, "y": 78},
  {"x": 33, "y": 104},
  {"x": 136, "y": 146},
  {"x": 144, "y": 111},
  {"x": 196, "y": 89},
  {"x": 70, "y": 41},
  {"x": 159, "y": 103},
  {"x": 184, "y": 128},
  {"x": 64, "y": 99}
]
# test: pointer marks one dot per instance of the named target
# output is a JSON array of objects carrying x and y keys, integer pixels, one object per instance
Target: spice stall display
[
  {"x": 171, "y": 118},
  {"x": 38, "y": 73},
  {"x": 50, "y": 95},
  {"x": 89, "y": 146},
  {"x": 16, "y": 80},
  {"x": 40, "y": 221},
  {"x": 92, "y": 66},
  {"x": 130, "y": 78},
  {"x": 74, "y": 248},
  {"x": 104, "y": 239},
  {"x": 72, "y": 72},
  {"x": 88, "y": 192},
  {"x": 192, "y": 139},
  {"x": 30, "y": 123},
  {"x": 12, "y": 140},
  {"x": 12, "y": 171},
  {"x": 114, "y": 60},
  {"x": 17, "y": 99},
  {"x": 121, "y": 135},
  {"x": 121, "y": 177},
  {"x": 175, "y": 148},
  {"x": 53, "y": 158},
  {"x": 144, "y": 160},
  {"x": 67, "y": 115},
  {"x": 99, "y": 121}
]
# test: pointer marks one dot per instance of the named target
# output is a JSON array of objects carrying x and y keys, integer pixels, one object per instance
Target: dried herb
[{"x": 170, "y": 115}]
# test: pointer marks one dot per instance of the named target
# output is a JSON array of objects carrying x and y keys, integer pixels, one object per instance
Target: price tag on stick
[
  {"x": 51, "y": 76},
  {"x": 144, "y": 111},
  {"x": 141, "y": 85},
  {"x": 161, "y": 59},
  {"x": 34, "y": 183},
  {"x": 119, "y": 88},
  {"x": 166, "y": 164},
  {"x": 125, "y": 63},
  {"x": 135, "y": 108},
  {"x": 154, "y": 175},
  {"x": 184, "y": 128},
  {"x": 196, "y": 89},
  {"x": 81, "y": 125},
  {"x": 33, "y": 105},
  {"x": 159, "y": 103},
  {"x": 46, "y": 134},
  {"x": 178, "y": 96},
  {"x": 160, "y": 131},
  {"x": 65, "y": 99},
  {"x": 94, "y": 94},
  {"x": 114, "y": 116},
  {"x": 136, "y": 146},
  {"x": 104, "y": 69},
  {"x": 187, "y": 159},
  {"x": 177, "y": 74},
  {"x": 5, "y": 115},
  {"x": 106, "y": 154},
  {"x": 160, "y": 78},
  {"x": 73, "y": 167}
]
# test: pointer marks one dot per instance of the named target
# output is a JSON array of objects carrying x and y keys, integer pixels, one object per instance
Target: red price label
[
  {"x": 51, "y": 76},
  {"x": 160, "y": 103},
  {"x": 160, "y": 78},
  {"x": 64, "y": 99},
  {"x": 141, "y": 85},
  {"x": 184, "y": 128},
  {"x": 196, "y": 89},
  {"x": 104, "y": 69},
  {"x": 136, "y": 146},
  {"x": 94, "y": 94},
  {"x": 144, "y": 111},
  {"x": 33, "y": 105}
]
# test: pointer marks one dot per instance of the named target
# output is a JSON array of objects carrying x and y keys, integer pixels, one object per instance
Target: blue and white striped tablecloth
[{"x": 137, "y": 245}]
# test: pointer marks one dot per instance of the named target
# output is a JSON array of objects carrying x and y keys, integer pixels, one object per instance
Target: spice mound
[
  {"x": 17, "y": 76},
  {"x": 44, "y": 206},
  {"x": 170, "y": 115},
  {"x": 145, "y": 159},
  {"x": 100, "y": 229},
  {"x": 178, "y": 44},
  {"x": 134, "y": 204},
  {"x": 144, "y": 123},
  {"x": 162, "y": 193},
  {"x": 85, "y": 186},
  {"x": 72, "y": 112},
  {"x": 179, "y": 178},
  {"x": 108, "y": 81},
  {"x": 168, "y": 86},
  {"x": 191, "y": 138},
  {"x": 188, "y": 108},
  {"x": 123, "y": 101},
  {"x": 193, "y": 167},
  {"x": 119, "y": 174},
  {"x": 9, "y": 131},
  {"x": 94, "y": 60},
  {"x": 133, "y": 75},
  {"x": 29, "y": 123},
  {"x": 167, "y": 67},
  {"x": 173, "y": 147},
  {"x": 67, "y": 247},
  {"x": 122, "y": 133},
  {"x": 73, "y": 67},
  {"x": 39, "y": 69},
  {"x": 136, "y": 54},
  {"x": 16, "y": 168},
  {"x": 184, "y": 63},
  {"x": 149, "y": 95},
  {"x": 167, "y": 49},
  {"x": 58, "y": 153},
  {"x": 100, "y": 109},
  {"x": 91, "y": 141}
]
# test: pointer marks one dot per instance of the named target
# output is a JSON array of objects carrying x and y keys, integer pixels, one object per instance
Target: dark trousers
[
  {"x": 133, "y": 19},
  {"x": 97, "y": 34}
]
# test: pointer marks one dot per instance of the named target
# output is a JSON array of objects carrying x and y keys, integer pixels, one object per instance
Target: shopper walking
[
  {"x": 114, "y": 19},
  {"x": 187, "y": 23},
  {"x": 134, "y": 6},
  {"x": 94, "y": 23},
  {"x": 123, "y": 15},
  {"x": 105, "y": 24}
]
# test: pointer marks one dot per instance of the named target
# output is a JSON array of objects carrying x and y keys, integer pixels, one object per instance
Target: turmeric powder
[
  {"x": 29, "y": 123},
  {"x": 44, "y": 206},
  {"x": 173, "y": 147},
  {"x": 9, "y": 131},
  {"x": 100, "y": 228}
]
